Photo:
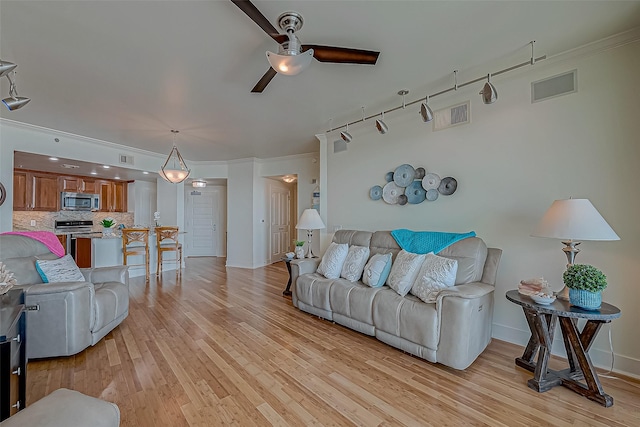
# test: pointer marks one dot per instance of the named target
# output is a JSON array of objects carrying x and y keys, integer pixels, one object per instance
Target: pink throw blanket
[{"x": 47, "y": 238}]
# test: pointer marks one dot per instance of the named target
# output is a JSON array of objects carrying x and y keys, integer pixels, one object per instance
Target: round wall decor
[
  {"x": 3, "y": 194},
  {"x": 407, "y": 185}
]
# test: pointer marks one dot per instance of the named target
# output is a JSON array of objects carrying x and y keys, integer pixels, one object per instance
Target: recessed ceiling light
[
  {"x": 117, "y": 177},
  {"x": 106, "y": 166},
  {"x": 145, "y": 172},
  {"x": 53, "y": 159},
  {"x": 94, "y": 173}
]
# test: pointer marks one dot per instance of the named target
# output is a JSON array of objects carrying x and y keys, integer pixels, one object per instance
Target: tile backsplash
[{"x": 46, "y": 220}]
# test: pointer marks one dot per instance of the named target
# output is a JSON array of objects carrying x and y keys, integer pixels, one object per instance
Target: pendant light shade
[
  {"x": 489, "y": 93},
  {"x": 290, "y": 65},
  {"x": 425, "y": 111},
  {"x": 174, "y": 169}
]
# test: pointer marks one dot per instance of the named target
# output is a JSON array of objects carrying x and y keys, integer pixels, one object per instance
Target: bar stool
[
  {"x": 167, "y": 240},
  {"x": 135, "y": 242}
]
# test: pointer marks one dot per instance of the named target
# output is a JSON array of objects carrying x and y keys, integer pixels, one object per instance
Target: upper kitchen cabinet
[
  {"x": 76, "y": 184},
  {"x": 113, "y": 195},
  {"x": 35, "y": 191}
]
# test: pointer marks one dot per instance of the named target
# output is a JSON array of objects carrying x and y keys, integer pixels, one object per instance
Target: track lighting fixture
[
  {"x": 345, "y": 135},
  {"x": 174, "y": 169},
  {"x": 381, "y": 125},
  {"x": 489, "y": 93},
  {"x": 489, "y": 96},
  {"x": 425, "y": 111},
  {"x": 13, "y": 102}
]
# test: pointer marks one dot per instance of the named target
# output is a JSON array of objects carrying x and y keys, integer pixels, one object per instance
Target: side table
[
  {"x": 542, "y": 321},
  {"x": 287, "y": 291},
  {"x": 13, "y": 354}
]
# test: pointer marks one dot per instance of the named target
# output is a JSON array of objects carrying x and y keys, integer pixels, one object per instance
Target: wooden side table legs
[
  {"x": 287, "y": 291},
  {"x": 542, "y": 328}
]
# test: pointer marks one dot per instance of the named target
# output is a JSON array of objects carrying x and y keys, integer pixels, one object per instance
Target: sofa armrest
[
  {"x": 298, "y": 268},
  {"x": 119, "y": 273},
  {"x": 54, "y": 288},
  {"x": 465, "y": 314}
]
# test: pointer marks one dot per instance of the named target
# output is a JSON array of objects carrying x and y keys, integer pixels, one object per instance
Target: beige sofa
[
  {"x": 453, "y": 331},
  {"x": 71, "y": 315}
]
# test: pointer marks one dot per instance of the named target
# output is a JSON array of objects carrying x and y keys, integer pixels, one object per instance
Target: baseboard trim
[{"x": 601, "y": 358}]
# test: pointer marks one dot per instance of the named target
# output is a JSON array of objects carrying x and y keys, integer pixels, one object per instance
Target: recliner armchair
[{"x": 71, "y": 315}]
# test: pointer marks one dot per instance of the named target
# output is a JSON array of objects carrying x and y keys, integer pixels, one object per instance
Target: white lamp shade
[
  {"x": 310, "y": 220},
  {"x": 574, "y": 219},
  {"x": 290, "y": 65}
]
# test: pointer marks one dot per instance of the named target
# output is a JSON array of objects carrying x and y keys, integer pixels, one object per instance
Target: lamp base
[
  {"x": 562, "y": 294},
  {"x": 309, "y": 251}
]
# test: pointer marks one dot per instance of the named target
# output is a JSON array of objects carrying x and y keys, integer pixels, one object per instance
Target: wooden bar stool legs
[
  {"x": 167, "y": 241},
  {"x": 135, "y": 242}
]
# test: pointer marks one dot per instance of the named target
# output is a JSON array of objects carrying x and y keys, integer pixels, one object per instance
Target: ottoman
[{"x": 66, "y": 408}]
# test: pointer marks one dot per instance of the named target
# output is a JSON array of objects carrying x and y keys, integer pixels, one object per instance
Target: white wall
[{"x": 511, "y": 162}]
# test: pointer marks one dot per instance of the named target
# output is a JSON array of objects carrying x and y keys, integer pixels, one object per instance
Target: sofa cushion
[
  {"x": 357, "y": 257},
  {"x": 404, "y": 271},
  {"x": 332, "y": 260},
  {"x": 435, "y": 274},
  {"x": 353, "y": 300},
  {"x": 24, "y": 268},
  {"x": 382, "y": 242},
  {"x": 313, "y": 290},
  {"x": 112, "y": 301},
  {"x": 471, "y": 255},
  {"x": 377, "y": 270},
  {"x": 353, "y": 237},
  {"x": 59, "y": 270},
  {"x": 406, "y": 317}
]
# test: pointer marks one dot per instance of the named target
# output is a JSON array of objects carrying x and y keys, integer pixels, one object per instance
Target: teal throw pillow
[{"x": 59, "y": 270}]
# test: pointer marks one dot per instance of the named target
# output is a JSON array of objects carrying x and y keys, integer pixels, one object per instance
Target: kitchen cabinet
[
  {"x": 83, "y": 252},
  {"x": 113, "y": 196},
  {"x": 63, "y": 241},
  {"x": 76, "y": 184},
  {"x": 35, "y": 191}
]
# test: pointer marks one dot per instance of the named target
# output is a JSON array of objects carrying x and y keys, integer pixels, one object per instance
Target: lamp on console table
[
  {"x": 310, "y": 220},
  {"x": 572, "y": 220}
]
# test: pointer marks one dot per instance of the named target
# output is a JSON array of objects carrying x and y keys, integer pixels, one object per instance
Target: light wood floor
[{"x": 223, "y": 347}]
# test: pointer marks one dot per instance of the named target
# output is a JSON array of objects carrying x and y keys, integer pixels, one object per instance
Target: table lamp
[
  {"x": 572, "y": 220},
  {"x": 310, "y": 220}
]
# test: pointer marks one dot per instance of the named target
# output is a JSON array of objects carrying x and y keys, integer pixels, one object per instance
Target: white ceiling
[{"x": 129, "y": 71}]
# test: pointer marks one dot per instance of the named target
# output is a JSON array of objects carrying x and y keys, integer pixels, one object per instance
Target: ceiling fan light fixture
[
  {"x": 175, "y": 169},
  {"x": 290, "y": 65}
]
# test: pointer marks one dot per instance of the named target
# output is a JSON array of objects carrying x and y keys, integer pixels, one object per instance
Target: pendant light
[{"x": 174, "y": 169}]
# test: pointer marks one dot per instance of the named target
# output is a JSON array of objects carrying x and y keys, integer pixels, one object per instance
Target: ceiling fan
[{"x": 292, "y": 56}]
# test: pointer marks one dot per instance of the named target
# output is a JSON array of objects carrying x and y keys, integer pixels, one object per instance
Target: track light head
[
  {"x": 345, "y": 135},
  {"x": 15, "y": 103},
  {"x": 489, "y": 93},
  {"x": 6, "y": 67},
  {"x": 381, "y": 125},
  {"x": 425, "y": 111}
]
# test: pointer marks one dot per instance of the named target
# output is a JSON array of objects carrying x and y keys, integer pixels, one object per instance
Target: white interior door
[
  {"x": 280, "y": 230},
  {"x": 202, "y": 224}
]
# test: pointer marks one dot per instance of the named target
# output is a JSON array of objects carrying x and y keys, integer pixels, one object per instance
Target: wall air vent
[
  {"x": 452, "y": 116},
  {"x": 126, "y": 159},
  {"x": 552, "y": 87},
  {"x": 339, "y": 146}
]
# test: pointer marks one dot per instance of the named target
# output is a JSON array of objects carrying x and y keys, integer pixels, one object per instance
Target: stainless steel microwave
[{"x": 79, "y": 202}]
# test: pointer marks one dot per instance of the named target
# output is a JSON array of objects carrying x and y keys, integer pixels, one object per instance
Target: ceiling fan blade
[
  {"x": 264, "y": 81},
  {"x": 342, "y": 55},
  {"x": 256, "y": 16}
]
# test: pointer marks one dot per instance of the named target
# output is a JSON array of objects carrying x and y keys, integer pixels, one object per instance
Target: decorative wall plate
[
  {"x": 376, "y": 192},
  {"x": 388, "y": 177},
  {"x": 430, "y": 181},
  {"x": 403, "y": 175},
  {"x": 415, "y": 193},
  {"x": 432, "y": 194},
  {"x": 390, "y": 193},
  {"x": 448, "y": 186},
  {"x": 402, "y": 199},
  {"x": 420, "y": 172},
  {"x": 3, "y": 194}
]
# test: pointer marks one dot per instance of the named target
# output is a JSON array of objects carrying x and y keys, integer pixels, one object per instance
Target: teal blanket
[{"x": 423, "y": 242}]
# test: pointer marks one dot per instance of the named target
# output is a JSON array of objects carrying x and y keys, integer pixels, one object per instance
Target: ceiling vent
[
  {"x": 68, "y": 166},
  {"x": 126, "y": 160},
  {"x": 454, "y": 115},
  {"x": 552, "y": 87},
  {"x": 339, "y": 146}
]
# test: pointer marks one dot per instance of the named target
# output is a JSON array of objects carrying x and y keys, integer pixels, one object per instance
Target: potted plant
[
  {"x": 299, "y": 248},
  {"x": 107, "y": 226},
  {"x": 585, "y": 283}
]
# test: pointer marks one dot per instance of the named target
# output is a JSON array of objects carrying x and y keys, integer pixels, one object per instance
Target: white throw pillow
[
  {"x": 357, "y": 257},
  {"x": 404, "y": 271},
  {"x": 332, "y": 260},
  {"x": 436, "y": 273},
  {"x": 377, "y": 270},
  {"x": 59, "y": 270}
]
